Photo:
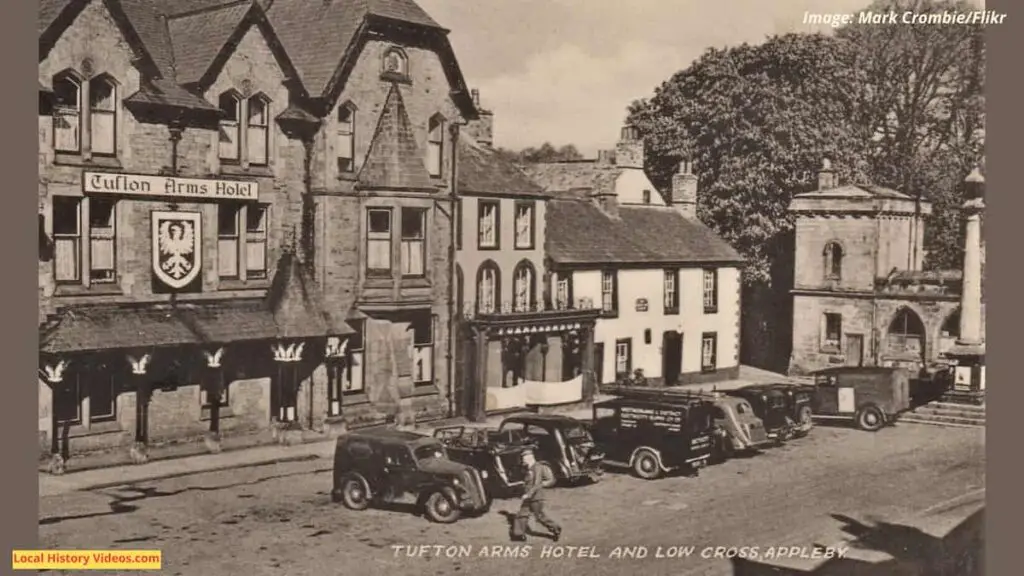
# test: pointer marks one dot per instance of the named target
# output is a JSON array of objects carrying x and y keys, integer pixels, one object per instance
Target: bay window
[
  {"x": 423, "y": 349},
  {"x": 414, "y": 242},
  {"x": 378, "y": 242}
]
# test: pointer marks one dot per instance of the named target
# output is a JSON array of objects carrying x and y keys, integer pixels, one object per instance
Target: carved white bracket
[
  {"x": 290, "y": 353},
  {"x": 55, "y": 372},
  {"x": 213, "y": 358},
  {"x": 139, "y": 365},
  {"x": 336, "y": 347}
]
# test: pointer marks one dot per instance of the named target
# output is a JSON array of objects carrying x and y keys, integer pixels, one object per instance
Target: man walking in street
[{"x": 533, "y": 501}]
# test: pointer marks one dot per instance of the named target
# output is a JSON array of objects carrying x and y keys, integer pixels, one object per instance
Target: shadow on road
[
  {"x": 909, "y": 551},
  {"x": 123, "y": 503}
]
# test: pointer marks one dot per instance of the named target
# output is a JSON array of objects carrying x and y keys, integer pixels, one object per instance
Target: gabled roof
[
  {"x": 322, "y": 37},
  {"x": 482, "y": 170},
  {"x": 394, "y": 161},
  {"x": 182, "y": 39},
  {"x": 559, "y": 177},
  {"x": 579, "y": 233}
]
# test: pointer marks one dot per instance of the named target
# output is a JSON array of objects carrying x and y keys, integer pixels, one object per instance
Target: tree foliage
[
  {"x": 545, "y": 153},
  {"x": 898, "y": 106}
]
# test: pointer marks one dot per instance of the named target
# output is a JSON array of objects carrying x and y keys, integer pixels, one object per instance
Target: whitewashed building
[{"x": 668, "y": 286}]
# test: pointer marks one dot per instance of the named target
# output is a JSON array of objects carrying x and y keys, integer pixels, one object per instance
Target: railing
[{"x": 471, "y": 310}]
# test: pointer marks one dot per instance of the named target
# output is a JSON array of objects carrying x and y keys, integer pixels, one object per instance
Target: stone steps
[{"x": 947, "y": 414}]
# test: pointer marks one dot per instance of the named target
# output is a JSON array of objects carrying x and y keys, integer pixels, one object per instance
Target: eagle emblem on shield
[{"x": 177, "y": 254}]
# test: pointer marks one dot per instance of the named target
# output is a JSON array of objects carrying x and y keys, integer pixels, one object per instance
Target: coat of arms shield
[{"x": 177, "y": 242}]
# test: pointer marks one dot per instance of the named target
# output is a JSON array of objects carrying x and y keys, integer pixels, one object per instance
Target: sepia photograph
[{"x": 567, "y": 287}]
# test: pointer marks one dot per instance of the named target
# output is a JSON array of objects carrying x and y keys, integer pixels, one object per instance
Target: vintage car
[
  {"x": 736, "y": 428},
  {"x": 498, "y": 456},
  {"x": 563, "y": 444},
  {"x": 870, "y": 396},
  {"x": 386, "y": 465},
  {"x": 784, "y": 408},
  {"x": 654, "y": 436}
]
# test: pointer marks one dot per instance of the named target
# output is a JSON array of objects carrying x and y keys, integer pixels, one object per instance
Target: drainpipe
[
  {"x": 453, "y": 214},
  {"x": 876, "y": 339}
]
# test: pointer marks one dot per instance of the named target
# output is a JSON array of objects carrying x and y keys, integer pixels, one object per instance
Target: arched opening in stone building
[
  {"x": 905, "y": 340},
  {"x": 949, "y": 332}
]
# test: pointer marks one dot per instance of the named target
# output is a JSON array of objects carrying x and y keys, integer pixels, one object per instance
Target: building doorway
[
  {"x": 854, "y": 349},
  {"x": 671, "y": 357}
]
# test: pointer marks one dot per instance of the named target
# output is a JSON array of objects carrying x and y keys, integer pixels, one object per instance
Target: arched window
[
  {"x": 346, "y": 143},
  {"x": 230, "y": 104},
  {"x": 258, "y": 130},
  {"x": 525, "y": 286},
  {"x": 67, "y": 112},
  {"x": 395, "y": 63},
  {"x": 488, "y": 288},
  {"x": 103, "y": 115},
  {"x": 435, "y": 145},
  {"x": 833, "y": 261}
]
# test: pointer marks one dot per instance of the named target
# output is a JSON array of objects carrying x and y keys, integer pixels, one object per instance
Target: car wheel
[
  {"x": 645, "y": 465},
  {"x": 355, "y": 492},
  {"x": 548, "y": 475},
  {"x": 440, "y": 509},
  {"x": 870, "y": 418}
]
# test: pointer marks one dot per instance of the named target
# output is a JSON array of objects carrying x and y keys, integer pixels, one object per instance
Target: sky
[{"x": 564, "y": 71}]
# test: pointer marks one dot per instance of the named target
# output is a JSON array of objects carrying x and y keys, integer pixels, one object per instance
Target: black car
[
  {"x": 654, "y": 436},
  {"x": 562, "y": 444},
  {"x": 786, "y": 409},
  {"x": 386, "y": 465},
  {"x": 498, "y": 456}
]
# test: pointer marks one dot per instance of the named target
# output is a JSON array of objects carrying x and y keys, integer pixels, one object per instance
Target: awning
[{"x": 84, "y": 329}]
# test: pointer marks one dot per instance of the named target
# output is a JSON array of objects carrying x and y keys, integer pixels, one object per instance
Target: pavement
[{"x": 278, "y": 518}]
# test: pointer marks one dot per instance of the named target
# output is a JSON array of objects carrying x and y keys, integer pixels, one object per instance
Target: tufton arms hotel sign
[{"x": 168, "y": 186}]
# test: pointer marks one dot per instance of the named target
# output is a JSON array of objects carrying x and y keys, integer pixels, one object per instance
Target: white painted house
[{"x": 668, "y": 285}]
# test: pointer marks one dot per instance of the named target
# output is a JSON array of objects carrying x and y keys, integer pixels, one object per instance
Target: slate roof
[
  {"x": 198, "y": 38},
  {"x": 560, "y": 177},
  {"x": 481, "y": 170},
  {"x": 292, "y": 308},
  {"x": 394, "y": 161},
  {"x": 318, "y": 33},
  {"x": 578, "y": 232}
]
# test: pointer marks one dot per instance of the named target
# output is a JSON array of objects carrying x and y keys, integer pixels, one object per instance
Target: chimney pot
[
  {"x": 684, "y": 190},
  {"x": 476, "y": 97},
  {"x": 826, "y": 176},
  {"x": 629, "y": 151}
]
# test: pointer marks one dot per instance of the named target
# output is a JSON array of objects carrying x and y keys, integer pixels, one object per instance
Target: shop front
[{"x": 514, "y": 359}]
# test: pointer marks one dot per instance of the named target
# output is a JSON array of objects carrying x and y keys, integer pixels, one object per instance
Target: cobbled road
[{"x": 280, "y": 520}]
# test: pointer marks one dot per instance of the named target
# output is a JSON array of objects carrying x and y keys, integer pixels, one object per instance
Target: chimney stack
[
  {"x": 826, "y": 176},
  {"x": 606, "y": 157},
  {"x": 684, "y": 190},
  {"x": 481, "y": 129},
  {"x": 629, "y": 151}
]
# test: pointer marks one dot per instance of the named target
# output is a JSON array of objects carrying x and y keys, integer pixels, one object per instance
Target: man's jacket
[{"x": 535, "y": 478}]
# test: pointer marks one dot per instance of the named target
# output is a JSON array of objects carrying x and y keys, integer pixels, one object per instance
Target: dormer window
[
  {"x": 258, "y": 130},
  {"x": 435, "y": 146},
  {"x": 85, "y": 114},
  {"x": 67, "y": 113},
  {"x": 103, "y": 116},
  {"x": 230, "y": 105},
  {"x": 395, "y": 65},
  {"x": 346, "y": 143}
]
